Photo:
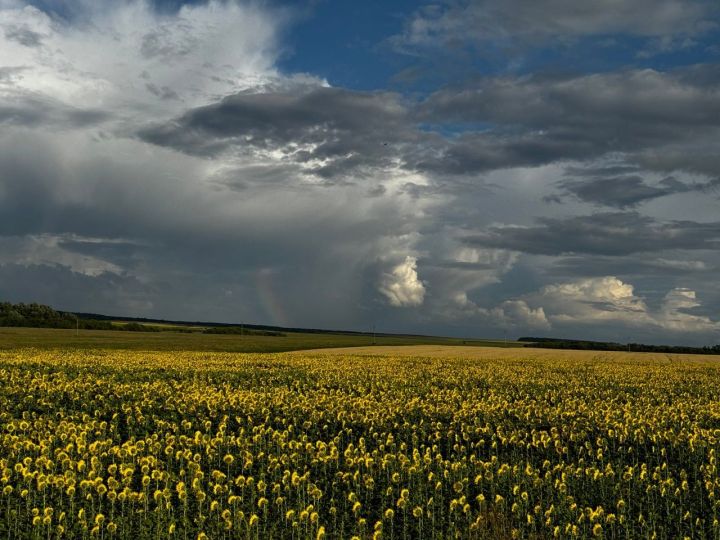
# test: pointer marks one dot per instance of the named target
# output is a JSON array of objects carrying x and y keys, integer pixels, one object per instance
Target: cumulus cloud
[
  {"x": 676, "y": 313},
  {"x": 593, "y": 300},
  {"x": 401, "y": 286},
  {"x": 517, "y": 314},
  {"x": 611, "y": 302},
  {"x": 457, "y": 271}
]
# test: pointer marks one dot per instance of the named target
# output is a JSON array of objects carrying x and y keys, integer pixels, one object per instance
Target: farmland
[
  {"x": 374, "y": 442},
  {"x": 54, "y": 338}
]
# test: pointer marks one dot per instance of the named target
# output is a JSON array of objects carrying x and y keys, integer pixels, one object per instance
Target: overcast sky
[{"x": 471, "y": 168}]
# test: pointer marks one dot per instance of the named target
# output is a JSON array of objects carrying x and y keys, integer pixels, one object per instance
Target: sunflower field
[{"x": 141, "y": 445}]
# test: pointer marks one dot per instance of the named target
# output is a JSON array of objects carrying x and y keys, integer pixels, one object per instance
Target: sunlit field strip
[{"x": 377, "y": 443}]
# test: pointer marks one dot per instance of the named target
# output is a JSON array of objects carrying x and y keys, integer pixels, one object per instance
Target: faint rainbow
[{"x": 269, "y": 300}]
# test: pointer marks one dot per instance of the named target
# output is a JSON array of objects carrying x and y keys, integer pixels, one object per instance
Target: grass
[
  {"x": 44, "y": 338},
  {"x": 162, "y": 326}
]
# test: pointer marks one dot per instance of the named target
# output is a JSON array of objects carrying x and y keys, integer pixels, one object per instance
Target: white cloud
[
  {"x": 593, "y": 300},
  {"x": 48, "y": 249},
  {"x": 517, "y": 314},
  {"x": 609, "y": 300},
  {"x": 673, "y": 313},
  {"x": 458, "y": 271},
  {"x": 401, "y": 286},
  {"x": 128, "y": 58}
]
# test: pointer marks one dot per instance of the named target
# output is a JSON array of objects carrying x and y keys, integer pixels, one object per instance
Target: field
[
  {"x": 51, "y": 338},
  {"x": 376, "y": 442}
]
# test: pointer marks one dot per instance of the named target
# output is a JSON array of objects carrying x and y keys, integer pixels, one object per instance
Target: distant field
[
  {"x": 459, "y": 351},
  {"x": 160, "y": 325},
  {"x": 386, "y": 442},
  {"x": 176, "y": 341}
]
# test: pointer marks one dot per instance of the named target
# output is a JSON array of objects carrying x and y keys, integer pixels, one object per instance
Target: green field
[{"x": 46, "y": 338}]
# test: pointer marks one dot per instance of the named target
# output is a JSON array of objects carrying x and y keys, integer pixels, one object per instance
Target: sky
[{"x": 469, "y": 168}]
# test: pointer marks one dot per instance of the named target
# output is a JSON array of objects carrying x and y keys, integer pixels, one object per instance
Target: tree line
[
  {"x": 585, "y": 345},
  {"x": 41, "y": 316}
]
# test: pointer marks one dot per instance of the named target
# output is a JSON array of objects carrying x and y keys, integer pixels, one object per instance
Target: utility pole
[{"x": 373, "y": 333}]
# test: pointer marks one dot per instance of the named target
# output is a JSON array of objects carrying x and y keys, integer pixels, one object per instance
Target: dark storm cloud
[
  {"x": 124, "y": 254},
  {"x": 698, "y": 156},
  {"x": 611, "y": 233},
  {"x": 190, "y": 248},
  {"x": 253, "y": 176},
  {"x": 674, "y": 264},
  {"x": 32, "y": 111},
  {"x": 537, "y": 120},
  {"x": 19, "y": 115},
  {"x": 606, "y": 171},
  {"x": 63, "y": 288},
  {"x": 459, "y": 265},
  {"x": 472, "y": 154},
  {"x": 631, "y": 99},
  {"x": 531, "y": 121},
  {"x": 152, "y": 220},
  {"x": 571, "y": 117},
  {"x": 34, "y": 190},
  {"x": 620, "y": 191},
  {"x": 621, "y": 186},
  {"x": 505, "y": 122},
  {"x": 343, "y": 129}
]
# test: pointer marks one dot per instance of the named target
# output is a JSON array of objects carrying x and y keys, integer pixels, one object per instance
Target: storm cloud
[
  {"x": 166, "y": 162},
  {"x": 534, "y": 120},
  {"x": 607, "y": 233},
  {"x": 329, "y": 131}
]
